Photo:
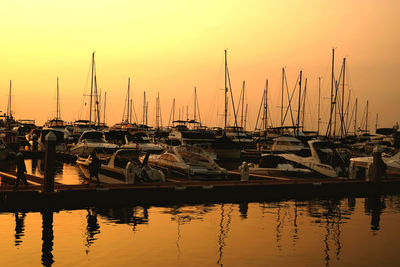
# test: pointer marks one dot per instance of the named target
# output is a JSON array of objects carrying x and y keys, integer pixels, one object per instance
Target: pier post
[
  {"x": 377, "y": 164},
  {"x": 244, "y": 172},
  {"x": 49, "y": 162}
]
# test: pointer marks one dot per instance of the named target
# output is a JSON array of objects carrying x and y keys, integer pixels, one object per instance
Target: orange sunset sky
[{"x": 171, "y": 46}]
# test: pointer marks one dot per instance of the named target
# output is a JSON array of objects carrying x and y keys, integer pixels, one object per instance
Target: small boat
[
  {"x": 92, "y": 140},
  {"x": 277, "y": 165},
  {"x": 123, "y": 167},
  {"x": 188, "y": 161}
]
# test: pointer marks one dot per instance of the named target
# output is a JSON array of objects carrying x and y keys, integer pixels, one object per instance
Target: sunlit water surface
[{"x": 340, "y": 232}]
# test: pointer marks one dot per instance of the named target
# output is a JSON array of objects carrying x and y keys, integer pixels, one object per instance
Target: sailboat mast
[
  {"x": 366, "y": 119},
  {"x": 9, "y": 109},
  {"x": 266, "y": 106},
  {"x": 144, "y": 107},
  {"x": 299, "y": 105},
  {"x": 58, "y": 104},
  {"x": 355, "y": 118},
  {"x": 241, "y": 121},
  {"x": 332, "y": 83},
  {"x": 104, "y": 110},
  {"x": 226, "y": 92},
  {"x": 304, "y": 103},
  {"x": 194, "y": 105},
  {"x": 376, "y": 122},
  {"x": 342, "y": 132},
  {"x": 283, "y": 84},
  {"x": 319, "y": 104},
  {"x": 128, "y": 100},
  {"x": 91, "y": 90},
  {"x": 245, "y": 118}
]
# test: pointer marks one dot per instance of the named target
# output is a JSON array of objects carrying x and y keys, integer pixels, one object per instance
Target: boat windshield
[
  {"x": 140, "y": 138},
  {"x": 93, "y": 136}
]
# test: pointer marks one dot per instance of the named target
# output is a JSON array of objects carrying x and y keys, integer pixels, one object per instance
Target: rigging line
[
  {"x": 233, "y": 103},
  {"x": 290, "y": 100},
  {"x": 259, "y": 111}
]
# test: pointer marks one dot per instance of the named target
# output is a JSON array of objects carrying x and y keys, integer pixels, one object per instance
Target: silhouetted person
[
  {"x": 94, "y": 167},
  {"x": 21, "y": 170}
]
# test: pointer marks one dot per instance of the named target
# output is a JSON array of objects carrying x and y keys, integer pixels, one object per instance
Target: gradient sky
[{"x": 171, "y": 46}]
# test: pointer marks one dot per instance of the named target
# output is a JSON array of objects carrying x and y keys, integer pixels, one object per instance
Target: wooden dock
[{"x": 32, "y": 197}]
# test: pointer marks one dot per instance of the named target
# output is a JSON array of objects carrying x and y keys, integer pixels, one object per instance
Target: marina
[{"x": 211, "y": 133}]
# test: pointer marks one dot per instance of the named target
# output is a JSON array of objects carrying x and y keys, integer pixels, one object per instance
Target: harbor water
[{"x": 316, "y": 232}]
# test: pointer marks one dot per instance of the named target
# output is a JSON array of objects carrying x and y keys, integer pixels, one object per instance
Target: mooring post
[
  {"x": 377, "y": 164},
  {"x": 244, "y": 172},
  {"x": 49, "y": 162}
]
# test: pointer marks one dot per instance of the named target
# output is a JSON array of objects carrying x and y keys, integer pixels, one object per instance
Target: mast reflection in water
[{"x": 346, "y": 231}]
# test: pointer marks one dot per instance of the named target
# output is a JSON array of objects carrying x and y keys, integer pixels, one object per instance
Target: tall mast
[
  {"x": 241, "y": 121},
  {"x": 245, "y": 118},
  {"x": 194, "y": 109},
  {"x": 304, "y": 103},
  {"x": 58, "y": 103},
  {"x": 366, "y": 119},
  {"x": 299, "y": 105},
  {"x": 332, "y": 83},
  {"x": 319, "y": 104},
  {"x": 91, "y": 90},
  {"x": 266, "y": 106},
  {"x": 9, "y": 109},
  {"x": 376, "y": 122},
  {"x": 104, "y": 110},
  {"x": 283, "y": 84},
  {"x": 342, "y": 132},
  {"x": 128, "y": 101},
  {"x": 147, "y": 110},
  {"x": 226, "y": 91},
  {"x": 355, "y": 118},
  {"x": 173, "y": 110},
  {"x": 144, "y": 108}
]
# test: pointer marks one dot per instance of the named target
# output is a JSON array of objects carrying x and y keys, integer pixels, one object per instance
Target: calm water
[{"x": 340, "y": 232}]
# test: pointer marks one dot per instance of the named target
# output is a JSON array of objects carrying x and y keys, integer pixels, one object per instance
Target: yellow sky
[{"x": 172, "y": 46}]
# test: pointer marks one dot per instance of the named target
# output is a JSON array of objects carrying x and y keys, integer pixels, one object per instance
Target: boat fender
[
  {"x": 130, "y": 173},
  {"x": 244, "y": 171}
]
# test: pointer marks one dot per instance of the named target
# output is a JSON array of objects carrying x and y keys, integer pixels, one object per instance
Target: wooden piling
[
  {"x": 377, "y": 165},
  {"x": 49, "y": 162}
]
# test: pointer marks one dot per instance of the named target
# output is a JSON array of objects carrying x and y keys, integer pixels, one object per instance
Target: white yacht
[
  {"x": 324, "y": 159},
  {"x": 123, "y": 167},
  {"x": 188, "y": 161}
]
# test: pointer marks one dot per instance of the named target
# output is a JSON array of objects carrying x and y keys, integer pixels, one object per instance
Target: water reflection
[
  {"x": 375, "y": 205},
  {"x": 224, "y": 227},
  {"x": 92, "y": 228},
  {"x": 47, "y": 238},
  {"x": 126, "y": 215},
  {"x": 286, "y": 222},
  {"x": 19, "y": 227}
]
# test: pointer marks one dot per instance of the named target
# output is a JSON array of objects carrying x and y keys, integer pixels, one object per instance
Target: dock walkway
[{"x": 64, "y": 196}]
